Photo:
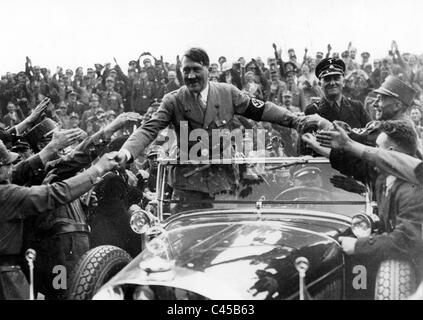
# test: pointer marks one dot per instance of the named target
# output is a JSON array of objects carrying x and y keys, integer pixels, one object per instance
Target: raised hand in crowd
[
  {"x": 61, "y": 140},
  {"x": 120, "y": 121},
  {"x": 65, "y": 138},
  {"x": 329, "y": 50},
  {"x": 33, "y": 117}
]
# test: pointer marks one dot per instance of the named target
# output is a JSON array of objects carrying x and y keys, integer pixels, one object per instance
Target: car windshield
[{"x": 297, "y": 182}]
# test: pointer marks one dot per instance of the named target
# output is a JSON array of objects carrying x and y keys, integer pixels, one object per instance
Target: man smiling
[
  {"x": 200, "y": 107},
  {"x": 334, "y": 106}
]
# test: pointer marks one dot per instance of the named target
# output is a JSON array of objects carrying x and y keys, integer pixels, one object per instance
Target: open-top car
[{"x": 273, "y": 237}]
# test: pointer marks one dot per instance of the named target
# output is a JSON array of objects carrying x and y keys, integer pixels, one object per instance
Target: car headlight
[
  {"x": 140, "y": 221},
  {"x": 111, "y": 293},
  {"x": 362, "y": 225}
]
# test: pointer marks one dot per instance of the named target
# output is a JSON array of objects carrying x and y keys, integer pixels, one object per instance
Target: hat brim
[
  {"x": 331, "y": 73},
  {"x": 386, "y": 92}
]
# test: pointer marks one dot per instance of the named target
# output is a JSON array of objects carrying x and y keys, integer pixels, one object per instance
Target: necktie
[{"x": 201, "y": 102}]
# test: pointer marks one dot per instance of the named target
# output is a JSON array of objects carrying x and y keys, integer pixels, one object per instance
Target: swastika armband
[{"x": 255, "y": 109}]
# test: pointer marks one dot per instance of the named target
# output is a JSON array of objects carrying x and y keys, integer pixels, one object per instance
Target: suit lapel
[
  {"x": 212, "y": 102},
  {"x": 191, "y": 108}
]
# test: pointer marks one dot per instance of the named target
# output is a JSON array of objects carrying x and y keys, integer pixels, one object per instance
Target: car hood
[{"x": 238, "y": 258}]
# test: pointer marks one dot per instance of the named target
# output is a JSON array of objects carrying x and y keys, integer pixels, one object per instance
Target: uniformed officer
[
  {"x": 110, "y": 99},
  {"x": 333, "y": 105},
  {"x": 18, "y": 203},
  {"x": 398, "y": 201},
  {"x": 205, "y": 106},
  {"x": 141, "y": 92},
  {"x": 393, "y": 100}
]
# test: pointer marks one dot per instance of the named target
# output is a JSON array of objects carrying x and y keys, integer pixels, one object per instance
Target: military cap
[
  {"x": 365, "y": 55},
  {"x": 7, "y": 157},
  {"x": 113, "y": 70},
  {"x": 329, "y": 66},
  {"x": 90, "y": 70},
  {"x": 73, "y": 93},
  {"x": 132, "y": 62},
  {"x": 290, "y": 66},
  {"x": 319, "y": 54},
  {"x": 146, "y": 59},
  {"x": 73, "y": 115},
  {"x": 153, "y": 151},
  {"x": 394, "y": 87},
  {"x": 306, "y": 171}
]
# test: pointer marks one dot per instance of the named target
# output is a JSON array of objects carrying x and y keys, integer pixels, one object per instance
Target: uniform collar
[{"x": 337, "y": 101}]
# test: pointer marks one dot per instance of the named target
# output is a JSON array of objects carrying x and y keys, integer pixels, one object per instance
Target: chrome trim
[
  {"x": 292, "y": 212},
  {"x": 270, "y": 160}
]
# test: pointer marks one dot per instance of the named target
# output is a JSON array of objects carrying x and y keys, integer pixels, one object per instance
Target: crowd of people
[
  {"x": 67, "y": 164},
  {"x": 91, "y": 100}
]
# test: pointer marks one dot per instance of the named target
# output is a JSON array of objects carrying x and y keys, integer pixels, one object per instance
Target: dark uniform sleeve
[
  {"x": 396, "y": 163},
  {"x": 39, "y": 199},
  {"x": 364, "y": 117},
  {"x": 66, "y": 167},
  {"x": 29, "y": 172},
  {"x": 350, "y": 166}
]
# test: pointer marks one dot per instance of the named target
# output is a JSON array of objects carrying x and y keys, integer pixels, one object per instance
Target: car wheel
[
  {"x": 395, "y": 280},
  {"x": 95, "y": 268}
]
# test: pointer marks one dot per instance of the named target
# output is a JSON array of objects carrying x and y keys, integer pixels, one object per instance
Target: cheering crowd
[{"x": 67, "y": 165}]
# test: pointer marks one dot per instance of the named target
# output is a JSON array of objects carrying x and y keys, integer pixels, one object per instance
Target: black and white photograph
[{"x": 227, "y": 150}]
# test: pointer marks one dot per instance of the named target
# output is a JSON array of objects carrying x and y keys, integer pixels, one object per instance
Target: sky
[{"x": 83, "y": 32}]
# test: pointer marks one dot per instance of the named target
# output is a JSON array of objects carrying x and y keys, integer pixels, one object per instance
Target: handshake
[{"x": 311, "y": 123}]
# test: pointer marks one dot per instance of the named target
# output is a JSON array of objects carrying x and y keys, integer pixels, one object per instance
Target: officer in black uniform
[{"x": 333, "y": 105}]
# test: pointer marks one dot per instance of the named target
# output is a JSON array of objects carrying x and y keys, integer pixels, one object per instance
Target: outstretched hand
[
  {"x": 312, "y": 143},
  {"x": 336, "y": 139},
  {"x": 313, "y": 122},
  {"x": 64, "y": 138},
  {"x": 121, "y": 120},
  {"x": 107, "y": 162}
]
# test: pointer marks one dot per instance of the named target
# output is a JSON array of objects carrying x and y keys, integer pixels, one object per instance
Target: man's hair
[
  {"x": 402, "y": 133},
  {"x": 198, "y": 55}
]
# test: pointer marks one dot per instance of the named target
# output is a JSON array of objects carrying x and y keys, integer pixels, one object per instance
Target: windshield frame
[{"x": 280, "y": 162}]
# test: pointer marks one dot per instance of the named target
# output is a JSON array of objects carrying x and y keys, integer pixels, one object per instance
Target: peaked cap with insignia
[{"x": 330, "y": 66}]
